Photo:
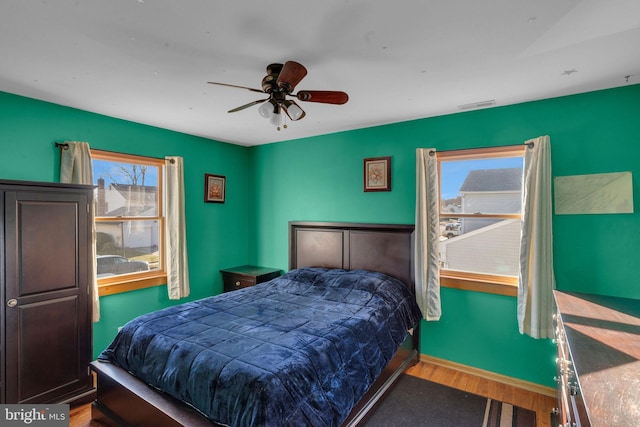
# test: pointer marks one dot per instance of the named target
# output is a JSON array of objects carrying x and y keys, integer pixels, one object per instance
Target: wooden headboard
[{"x": 387, "y": 248}]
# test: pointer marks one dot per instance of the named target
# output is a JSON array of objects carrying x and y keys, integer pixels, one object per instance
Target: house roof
[
  {"x": 506, "y": 179},
  {"x": 144, "y": 202}
]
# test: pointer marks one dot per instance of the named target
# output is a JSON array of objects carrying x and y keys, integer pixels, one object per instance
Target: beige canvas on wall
[{"x": 603, "y": 193}]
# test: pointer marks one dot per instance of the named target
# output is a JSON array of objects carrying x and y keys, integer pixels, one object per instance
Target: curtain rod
[
  {"x": 65, "y": 146},
  {"x": 529, "y": 144}
]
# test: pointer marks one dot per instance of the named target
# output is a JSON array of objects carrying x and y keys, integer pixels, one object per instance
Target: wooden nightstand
[{"x": 246, "y": 275}]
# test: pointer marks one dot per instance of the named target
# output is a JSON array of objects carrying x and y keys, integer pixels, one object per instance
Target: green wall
[
  {"x": 217, "y": 234},
  {"x": 320, "y": 179}
]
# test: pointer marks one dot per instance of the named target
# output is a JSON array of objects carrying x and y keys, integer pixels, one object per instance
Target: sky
[
  {"x": 110, "y": 171},
  {"x": 454, "y": 172}
]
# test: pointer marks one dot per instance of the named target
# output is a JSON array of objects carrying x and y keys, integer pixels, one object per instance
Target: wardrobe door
[
  {"x": 48, "y": 323},
  {"x": 3, "y": 363}
]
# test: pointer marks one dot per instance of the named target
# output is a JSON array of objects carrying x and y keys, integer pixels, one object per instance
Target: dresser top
[{"x": 603, "y": 334}]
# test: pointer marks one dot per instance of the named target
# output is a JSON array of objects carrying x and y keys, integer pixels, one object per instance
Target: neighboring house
[
  {"x": 487, "y": 191},
  {"x": 499, "y": 243},
  {"x": 490, "y": 191},
  {"x": 124, "y": 200}
]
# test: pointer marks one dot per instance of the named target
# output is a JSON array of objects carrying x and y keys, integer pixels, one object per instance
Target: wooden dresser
[{"x": 598, "y": 363}]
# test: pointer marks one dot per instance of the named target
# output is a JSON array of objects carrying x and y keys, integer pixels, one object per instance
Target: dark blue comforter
[{"x": 301, "y": 349}]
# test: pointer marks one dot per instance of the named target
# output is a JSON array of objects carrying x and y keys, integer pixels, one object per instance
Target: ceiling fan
[{"x": 279, "y": 83}]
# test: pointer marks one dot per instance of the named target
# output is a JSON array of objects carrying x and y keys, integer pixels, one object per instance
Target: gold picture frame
[{"x": 377, "y": 174}]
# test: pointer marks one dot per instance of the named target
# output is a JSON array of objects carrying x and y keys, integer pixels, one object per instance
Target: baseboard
[{"x": 470, "y": 370}]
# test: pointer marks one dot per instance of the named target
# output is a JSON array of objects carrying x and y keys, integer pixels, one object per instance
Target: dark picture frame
[
  {"x": 377, "y": 173},
  {"x": 215, "y": 188}
]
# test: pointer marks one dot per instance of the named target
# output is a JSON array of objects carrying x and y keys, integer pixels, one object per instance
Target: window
[
  {"x": 480, "y": 218},
  {"x": 129, "y": 221}
]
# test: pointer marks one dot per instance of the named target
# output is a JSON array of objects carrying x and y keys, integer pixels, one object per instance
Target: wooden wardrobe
[{"x": 45, "y": 339}]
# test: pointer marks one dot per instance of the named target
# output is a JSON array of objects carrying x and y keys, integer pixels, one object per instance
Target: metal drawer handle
[
  {"x": 12, "y": 302},
  {"x": 237, "y": 283}
]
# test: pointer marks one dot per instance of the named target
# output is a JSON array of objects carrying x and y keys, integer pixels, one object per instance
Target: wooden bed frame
[{"x": 123, "y": 400}]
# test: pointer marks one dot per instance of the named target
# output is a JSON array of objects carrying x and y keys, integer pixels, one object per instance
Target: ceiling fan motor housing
[
  {"x": 269, "y": 81},
  {"x": 274, "y": 68}
]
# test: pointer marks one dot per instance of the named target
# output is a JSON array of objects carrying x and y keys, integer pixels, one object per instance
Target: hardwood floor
[
  {"x": 541, "y": 404},
  {"x": 80, "y": 416}
]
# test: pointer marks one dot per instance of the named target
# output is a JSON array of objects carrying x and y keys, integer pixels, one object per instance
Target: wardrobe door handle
[{"x": 12, "y": 302}]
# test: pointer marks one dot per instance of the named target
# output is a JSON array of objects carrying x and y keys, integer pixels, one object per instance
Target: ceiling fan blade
[
  {"x": 251, "y": 104},
  {"x": 290, "y": 75},
  {"x": 324, "y": 96},
  {"x": 236, "y": 86}
]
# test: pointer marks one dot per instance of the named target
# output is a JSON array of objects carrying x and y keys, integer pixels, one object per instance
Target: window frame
[
  {"x": 479, "y": 282},
  {"x": 137, "y": 280}
]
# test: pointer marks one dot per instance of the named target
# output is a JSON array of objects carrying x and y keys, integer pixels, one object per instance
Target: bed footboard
[{"x": 123, "y": 400}]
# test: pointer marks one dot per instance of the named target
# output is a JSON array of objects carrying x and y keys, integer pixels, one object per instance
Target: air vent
[{"x": 473, "y": 106}]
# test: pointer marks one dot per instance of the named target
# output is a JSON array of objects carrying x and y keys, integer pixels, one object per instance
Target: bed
[{"x": 343, "y": 260}]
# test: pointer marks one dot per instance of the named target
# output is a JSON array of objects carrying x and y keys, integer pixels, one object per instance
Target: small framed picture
[
  {"x": 377, "y": 174},
  {"x": 214, "y": 188}
]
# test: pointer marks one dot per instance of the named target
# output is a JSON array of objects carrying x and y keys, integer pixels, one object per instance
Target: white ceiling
[{"x": 148, "y": 61}]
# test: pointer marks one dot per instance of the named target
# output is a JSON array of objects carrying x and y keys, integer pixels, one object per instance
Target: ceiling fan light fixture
[
  {"x": 277, "y": 119},
  {"x": 293, "y": 110},
  {"x": 266, "y": 110}
]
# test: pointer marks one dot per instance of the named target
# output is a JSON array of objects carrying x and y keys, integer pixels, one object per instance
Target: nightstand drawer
[
  {"x": 247, "y": 275},
  {"x": 232, "y": 282}
]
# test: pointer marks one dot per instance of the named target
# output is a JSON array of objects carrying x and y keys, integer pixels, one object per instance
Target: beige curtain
[
  {"x": 175, "y": 229},
  {"x": 536, "y": 278},
  {"x": 427, "y": 267},
  {"x": 76, "y": 168}
]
